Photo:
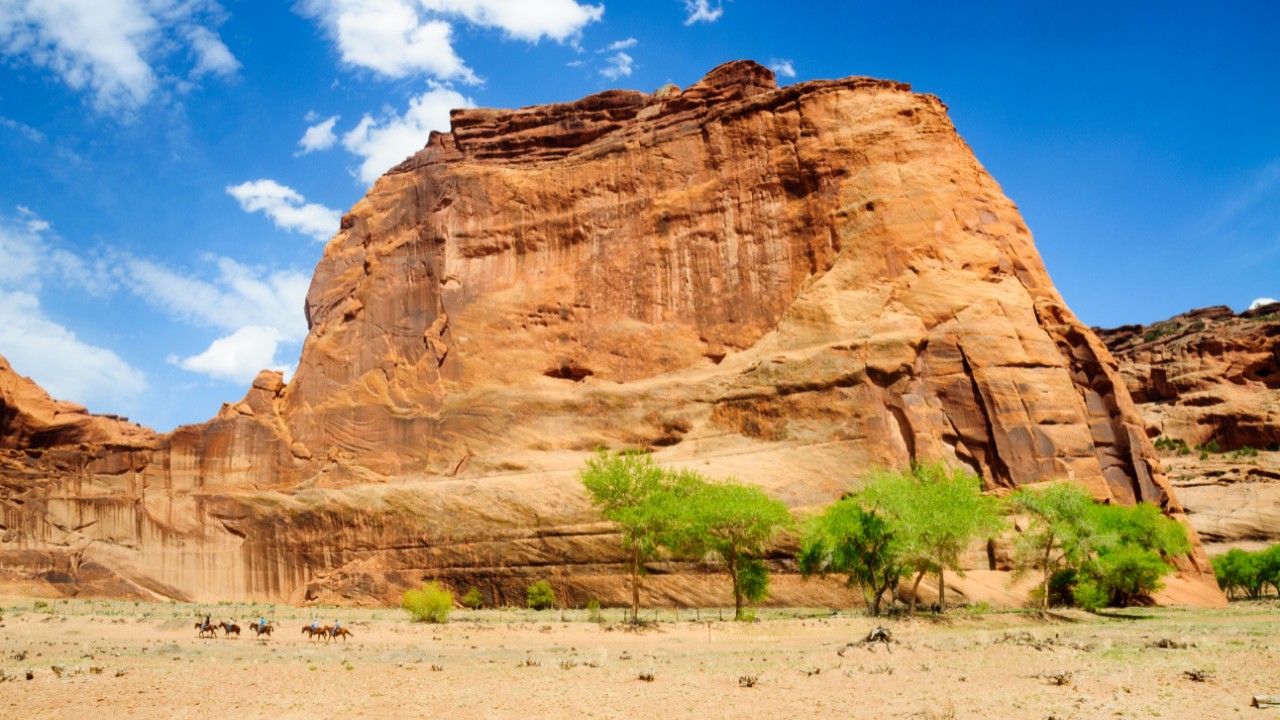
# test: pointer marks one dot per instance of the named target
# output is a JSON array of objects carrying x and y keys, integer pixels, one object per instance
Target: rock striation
[
  {"x": 1211, "y": 378},
  {"x": 789, "y": 285}
]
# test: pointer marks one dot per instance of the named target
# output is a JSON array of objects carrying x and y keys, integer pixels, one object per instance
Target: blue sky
[{"x": 173, "y": 167}]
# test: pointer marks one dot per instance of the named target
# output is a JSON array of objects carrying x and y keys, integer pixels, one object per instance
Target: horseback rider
[
  {"x": 262, "y": 623},
  {"x": 315, "y": 626},
  {"x": 205, "y": 626},
  {"x": 335, "y": 628}
]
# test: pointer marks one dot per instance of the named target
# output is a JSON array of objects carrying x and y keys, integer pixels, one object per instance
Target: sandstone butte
[{"x": 787, "y": 285}]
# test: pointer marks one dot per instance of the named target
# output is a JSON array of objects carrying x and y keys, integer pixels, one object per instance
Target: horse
[
  {"x": 340, "y": 632},
  {"x": 210, "y": 629},
  {"x": 312, "y": 632},
  {"x": 229, "y": 628},
  {"x": 264, "y": 629}
]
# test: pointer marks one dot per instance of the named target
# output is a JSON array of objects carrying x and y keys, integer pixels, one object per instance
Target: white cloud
[
  {"x": 387, "y": 142},
  {"x": 23, "y": 250},
  {"x": 390, "y": 37},
  {"x": 261, "y": 310},
  {"x": 701, "y": 11},
  {"x": 398, "y": 38},
  {"x": 617, "y": 66},
  {"x": 33, "y": 221},
  {"x": 319, "y": 136},
  {"x": 1261, "y": 302},
  {"x": 212, "y": 55},
  {"x": 621, "y": 45},
  {"x": 66, "y": 367},
  {"x": 53, "y": 356},
  {"x": 240, "y": 296},
  {"x": 529, "y": 20},
  {"x": 26, "y": 131},
  {"x": 286, "y": 207},
  {"x": 107, "y": 46},
  {"x": 238, "y": 357},
  {"x": 782, "y": 67},
  {"x": 28, "y": 258}
]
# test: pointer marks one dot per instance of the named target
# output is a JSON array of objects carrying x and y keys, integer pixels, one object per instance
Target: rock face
[
  {"x": 31, "y": 420},
  {"x": 1211, "y": 377},
  {"x": 788, "y": 285},
  {"x": 1208, "y": 374}
]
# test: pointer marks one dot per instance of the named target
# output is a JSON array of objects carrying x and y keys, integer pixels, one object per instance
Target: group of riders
[{"x": 262, "y": 627}]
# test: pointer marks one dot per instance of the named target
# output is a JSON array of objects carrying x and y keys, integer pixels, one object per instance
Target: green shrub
[
  {"x": 1174, "y": 445},
  {"x": 540, "y": 596},
  {"x": 473, "y": 600},
  {"x": 1212, "y": 446},
  {"x": 1245, "y": 452},
  {"x": 431, "y": 603},
  {"x": 1088, "y": 595},
  {"x": 593, "y": 611}
]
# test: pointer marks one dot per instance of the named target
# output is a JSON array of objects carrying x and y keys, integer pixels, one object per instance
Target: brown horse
[
  {"x": 340, "y": 632},
  {"x": 229, "y": 628},
  {"x": 211, "y": 630},
  {"x": 262, "y": 629},
  {"x": 322, "y": 630}
]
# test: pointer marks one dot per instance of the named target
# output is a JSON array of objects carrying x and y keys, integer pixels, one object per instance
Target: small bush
[
  {"x": 540, "y": 596},
  {"x": 1245, "y": 452},
  {"x": 474, "y": 599},
  {"x": 431, "y": 603},
  {"x": 1173, "y": 445},
  {"x": 593, "y": 611},
  {"x": 1089, "y": 595},
  {"x": 1212, "y": 446}
]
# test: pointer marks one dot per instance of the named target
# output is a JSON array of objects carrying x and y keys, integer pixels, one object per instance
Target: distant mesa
[{"x": 789, "y": 285}]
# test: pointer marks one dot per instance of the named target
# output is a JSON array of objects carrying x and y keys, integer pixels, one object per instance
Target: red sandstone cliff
[{"x": 788, "y": 285}]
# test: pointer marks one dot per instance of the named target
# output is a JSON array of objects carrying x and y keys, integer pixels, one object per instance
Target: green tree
[
  {"x": 1269, "y": 567},
  {"x": 934, "y": 513},
  {"x": 732, "y": 522},
  {"x": 1059, "y": 534},
  {"x": 540, "y": 596},
  {"x": 1237, "y": 571},
  {"x": 846, "y": 538},
  {"x": 430, "y": 603},
  {"x": 473, "y": 599},
  {"x": 1133, "y": 545},
  {"x": 625, "y": 486}
]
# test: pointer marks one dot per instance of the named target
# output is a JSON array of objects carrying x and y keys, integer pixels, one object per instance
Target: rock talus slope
[{"x": 789, "y": 285}]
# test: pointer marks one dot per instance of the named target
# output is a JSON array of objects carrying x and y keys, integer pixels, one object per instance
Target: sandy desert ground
[{"x": 131, "y": 660}]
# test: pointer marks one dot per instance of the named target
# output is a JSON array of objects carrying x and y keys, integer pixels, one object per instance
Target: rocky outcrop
[
  {"x": 1207, "y": 374},
  {"x": 31, "y": 420},
  {"x": 789, "y": 285},
  {"x": 1208, "y": 383}
]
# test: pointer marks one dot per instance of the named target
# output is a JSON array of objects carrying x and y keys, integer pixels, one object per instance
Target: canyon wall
[
  {"x": 787, "y": 285},
  {"x": 1208, "y": 382}
]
